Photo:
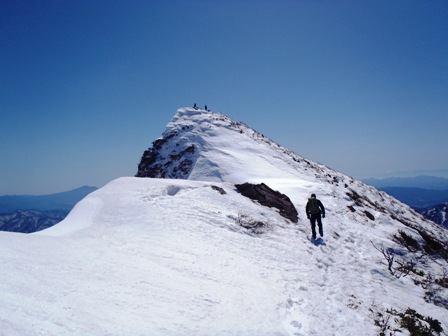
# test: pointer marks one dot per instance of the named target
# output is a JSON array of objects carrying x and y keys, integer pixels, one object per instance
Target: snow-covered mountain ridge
[
  {"x": 175, "y": 256},
  {"x": 196, "y": 141},
  {"x": 438, "y": 214},
  {"x": 208, "y": 146}
]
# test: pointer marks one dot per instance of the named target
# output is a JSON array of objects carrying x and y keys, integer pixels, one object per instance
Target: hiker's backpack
[{"x": 313, "y": 206}]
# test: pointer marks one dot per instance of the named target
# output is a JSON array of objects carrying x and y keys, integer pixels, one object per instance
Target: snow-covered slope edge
[{"x": 154, "y": 262}]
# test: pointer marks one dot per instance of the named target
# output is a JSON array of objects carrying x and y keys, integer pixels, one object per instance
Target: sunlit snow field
[{"x": 147, "y": 256}]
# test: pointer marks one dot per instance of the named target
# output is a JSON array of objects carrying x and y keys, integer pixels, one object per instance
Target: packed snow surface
[{"x": 170, "y": 257}]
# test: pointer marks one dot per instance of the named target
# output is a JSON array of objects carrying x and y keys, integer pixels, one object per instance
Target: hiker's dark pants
[{"x": 313, "y": 219}]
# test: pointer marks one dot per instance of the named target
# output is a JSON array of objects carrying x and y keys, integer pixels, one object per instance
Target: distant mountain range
[
  {"x": 27, "y": 221},
  {"x": 426, "y": 194},
  {"x": 60, "y": 201},
  {"x": 417, "y": 197},
  {"x": 25, "y": 213},
  {"x": 422, "y": 182}
]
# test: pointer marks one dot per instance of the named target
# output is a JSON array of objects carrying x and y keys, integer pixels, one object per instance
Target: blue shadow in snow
[{"x": 317, "y": 241}]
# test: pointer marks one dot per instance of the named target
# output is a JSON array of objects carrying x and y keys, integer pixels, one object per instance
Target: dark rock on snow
[
  {"x": 163, "y": 161},
  {"x": 271, "y": 198}
]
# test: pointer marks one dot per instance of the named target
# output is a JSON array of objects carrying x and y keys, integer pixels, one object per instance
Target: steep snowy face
[{"x": 207, "y": 146}]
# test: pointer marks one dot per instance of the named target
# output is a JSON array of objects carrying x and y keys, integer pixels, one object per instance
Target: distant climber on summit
[{"x": 315, "y": 211}]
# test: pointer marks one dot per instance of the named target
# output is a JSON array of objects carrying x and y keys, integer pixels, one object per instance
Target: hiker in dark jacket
[{"x": 315, "y": 211}]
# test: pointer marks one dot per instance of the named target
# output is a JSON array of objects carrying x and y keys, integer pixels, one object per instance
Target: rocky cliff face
[
  {"x": 165, "y": 162},
  {"x": 175, "y": 154}
]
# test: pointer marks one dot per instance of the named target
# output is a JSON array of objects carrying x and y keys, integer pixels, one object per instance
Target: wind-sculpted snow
[
  {"x": 192, "y": 256},
  {"x": 202, "y": 145}
]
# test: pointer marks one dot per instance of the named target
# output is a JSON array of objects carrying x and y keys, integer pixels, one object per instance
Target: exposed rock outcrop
[
  {"x": 161, "y": 161},
  {"x": 271, "y": 198}
]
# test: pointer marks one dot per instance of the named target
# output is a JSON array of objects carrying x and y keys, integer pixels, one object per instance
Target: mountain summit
[
  {"x": 208, "y": 146},
  {"x": 182, "y": 251}
]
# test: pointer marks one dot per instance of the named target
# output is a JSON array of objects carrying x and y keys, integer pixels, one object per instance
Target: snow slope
[{"x": 153, "y": 256}]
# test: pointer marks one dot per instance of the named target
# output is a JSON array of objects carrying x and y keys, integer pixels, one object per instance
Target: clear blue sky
[{"x": 86, "y": 86}]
